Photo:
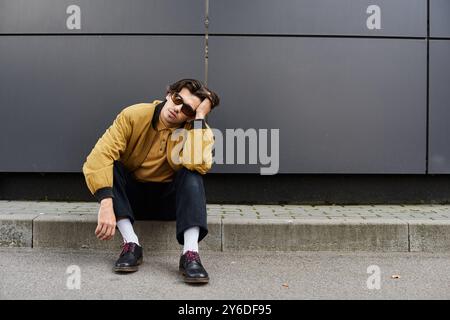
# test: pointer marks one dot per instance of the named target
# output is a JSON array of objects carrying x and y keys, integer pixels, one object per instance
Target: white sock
[
  {"x": 191, "y": 239},
  {"x": 127, "y": 231}
]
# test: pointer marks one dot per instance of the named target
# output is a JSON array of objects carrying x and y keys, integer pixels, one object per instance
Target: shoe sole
[
  {"x": 193, "y": 280},
  {"x": 128, "y": 269}
]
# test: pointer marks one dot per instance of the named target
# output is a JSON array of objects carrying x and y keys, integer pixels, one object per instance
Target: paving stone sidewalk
[{"x": 329, "y": 212}]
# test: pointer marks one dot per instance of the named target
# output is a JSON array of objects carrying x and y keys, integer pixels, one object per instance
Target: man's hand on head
[{"x": 203, "y": 109}]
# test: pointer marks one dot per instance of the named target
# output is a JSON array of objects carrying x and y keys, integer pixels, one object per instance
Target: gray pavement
[{"x": 43, "y": 274}]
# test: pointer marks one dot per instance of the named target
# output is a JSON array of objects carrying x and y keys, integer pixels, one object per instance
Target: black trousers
[{"x": 182, "y": 199}]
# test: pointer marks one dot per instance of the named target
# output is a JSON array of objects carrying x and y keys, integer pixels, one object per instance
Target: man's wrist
[
  {"x": 106, "y": 202},
  {"x": 199, "y": 124},
  {"x": 103, "y": 193},
  {"x": 199, "y": 116}
]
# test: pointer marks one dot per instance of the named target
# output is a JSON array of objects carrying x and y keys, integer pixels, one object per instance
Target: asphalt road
[{"x": 62, "y": 274}]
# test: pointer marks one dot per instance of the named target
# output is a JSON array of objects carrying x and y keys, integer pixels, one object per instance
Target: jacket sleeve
[
  {"x": 197, "y": 149},
  {"x": 98, "y": 167}
]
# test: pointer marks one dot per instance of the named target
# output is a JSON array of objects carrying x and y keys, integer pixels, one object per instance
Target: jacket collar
[{"x": 157, "y": 112}]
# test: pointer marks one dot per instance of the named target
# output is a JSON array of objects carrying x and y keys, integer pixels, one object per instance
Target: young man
[{"x": 148, "y": 165}]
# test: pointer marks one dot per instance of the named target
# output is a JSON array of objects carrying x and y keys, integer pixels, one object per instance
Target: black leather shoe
[
  {"x": 130, "y": 258},
  {"x": 191, "y": 268}
]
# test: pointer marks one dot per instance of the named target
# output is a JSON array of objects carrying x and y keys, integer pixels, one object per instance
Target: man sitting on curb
[{"x": 143, "y": 168}]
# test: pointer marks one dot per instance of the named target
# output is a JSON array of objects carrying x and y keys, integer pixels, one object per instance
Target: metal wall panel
[
  {"x": 58, "y": 94},
  {"x": 440, "y": 18},
  {"x": 318, "y": 17},
  {"x": 102, "y": 16},
  {"x": 439, "y": 107},
  {"x": 342, "y": 105},
  {"x": 439, "y": 94}
]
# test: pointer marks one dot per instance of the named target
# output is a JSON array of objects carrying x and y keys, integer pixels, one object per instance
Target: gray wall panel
[
  {"x": 342, "y": 105},
  {"x": 317, "y": 17},
  {"x": 58, "y": 94},
  {"x": 439, "y": 95},
  {"x": 103, "y": 16},
  {"x": 440, "y": 18}
]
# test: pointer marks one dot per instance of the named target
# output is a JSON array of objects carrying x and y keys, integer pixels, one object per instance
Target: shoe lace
[
  {"x": 126, "y": 247},
  {"x": 192, "y": 256}
]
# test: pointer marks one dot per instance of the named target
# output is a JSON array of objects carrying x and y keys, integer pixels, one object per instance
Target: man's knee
[{"x": 189, "y": 180}]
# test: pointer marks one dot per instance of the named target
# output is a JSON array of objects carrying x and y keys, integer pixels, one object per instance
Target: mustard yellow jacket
[{"x": 129, "y": 138}]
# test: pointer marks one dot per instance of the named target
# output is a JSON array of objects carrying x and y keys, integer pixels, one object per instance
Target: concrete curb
[
  {"x": 231, "y": 233},
  {"x": 315, "y": 235},
  {"x": 77, "y": 232},
  {"x": 16, "y": 230},
  {"x": 429, "y": 236}
]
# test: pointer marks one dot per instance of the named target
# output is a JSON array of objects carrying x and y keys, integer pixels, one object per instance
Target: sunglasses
[{"x": 185, "y": 108}]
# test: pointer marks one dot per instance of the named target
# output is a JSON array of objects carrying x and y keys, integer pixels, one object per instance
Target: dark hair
[{"x": 197, "y": 88}]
